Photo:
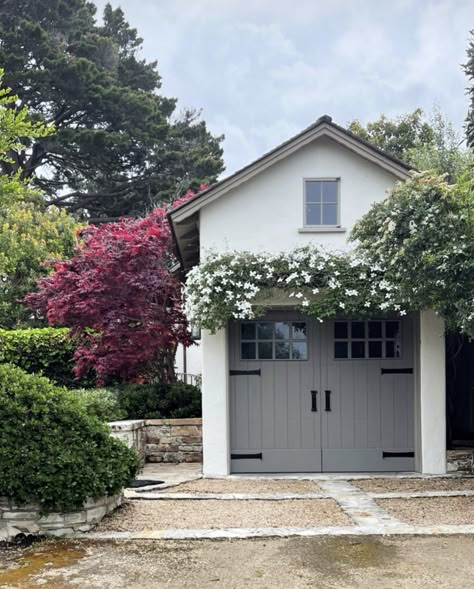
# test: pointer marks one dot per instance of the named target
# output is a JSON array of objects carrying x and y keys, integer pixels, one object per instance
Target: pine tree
[{"x": 120, "y": 148}]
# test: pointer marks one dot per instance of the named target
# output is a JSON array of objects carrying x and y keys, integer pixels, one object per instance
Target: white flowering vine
[
  {"x": 413, "y": 251},
  {"x": 322, "y": 284}
]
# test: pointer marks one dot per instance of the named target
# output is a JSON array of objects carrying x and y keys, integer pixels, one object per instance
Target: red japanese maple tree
[{"x": 120, "y": 300}]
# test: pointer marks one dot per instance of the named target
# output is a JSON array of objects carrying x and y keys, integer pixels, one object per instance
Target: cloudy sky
[{"x": 261, "y": 70}]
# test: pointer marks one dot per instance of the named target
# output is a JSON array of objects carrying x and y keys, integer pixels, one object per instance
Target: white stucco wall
[
  {"x": 215, "y": 404},
  {"x": 430, "y": 402},
  {"x": 265, "y": 213}
]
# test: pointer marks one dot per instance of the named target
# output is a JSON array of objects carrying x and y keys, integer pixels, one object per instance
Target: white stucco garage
[{"x": 285, "y": 393}]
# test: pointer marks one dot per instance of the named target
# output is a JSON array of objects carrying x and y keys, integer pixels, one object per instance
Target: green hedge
[
  {"x": 141, "y": 401},
  {"x": 159, "y": 401},
  {"x": 51, "y": 451},
  {"x": 47, "y": 351},
  {"x": 102, "y": 403}
]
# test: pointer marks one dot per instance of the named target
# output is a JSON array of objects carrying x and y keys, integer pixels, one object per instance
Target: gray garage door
[{"x": 330, "y": 397}]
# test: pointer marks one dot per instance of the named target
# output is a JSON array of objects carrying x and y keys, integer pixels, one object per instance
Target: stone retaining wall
[
  {"x": 173, "y": 440},
  {"x": 26, "y": 519},
  {"x": 180, "y": 440},
  {"x": 132, "y": 432},
  {"x": 461, "y": 461}
]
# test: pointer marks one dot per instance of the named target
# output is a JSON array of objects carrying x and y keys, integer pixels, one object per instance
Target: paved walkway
[{"x": 360, "y": 506}]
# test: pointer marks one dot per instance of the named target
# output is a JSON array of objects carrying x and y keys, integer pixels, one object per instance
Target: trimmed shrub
[
  {"x": 47, "y": 351},
  {"x": 102, "y": 403},
  {"x": 159, "y": 400},
  {"x": 53, "y": 453}
]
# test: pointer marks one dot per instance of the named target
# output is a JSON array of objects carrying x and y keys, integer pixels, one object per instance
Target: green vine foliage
[
  {"x": 413, "y": 251},
  {"x": 422, "y": 235}
]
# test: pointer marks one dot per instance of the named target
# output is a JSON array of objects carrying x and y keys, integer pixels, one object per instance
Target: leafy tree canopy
[
  {"x": 426, "y": 143},
  {"x": 469, "y": 71},
  {"x": 395, "y": 136},
  {"x": 119, "y": 147},
  {"x": 29, "y": 234}
]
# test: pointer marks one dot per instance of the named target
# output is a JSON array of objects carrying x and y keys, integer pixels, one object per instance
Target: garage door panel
[
  {"x": 410, "y": 416},
  {"x": 365, "y": 460},
  {"x": 347, "y": 406},
  {"x": 310, "y": 421},
  {"x": 241, "y": 394},
  {"x": 403, "y": 412},
  {"x": 374, "y": 430},
  {"x": 255, "y": 411},
  {"x": 281, "y": 404},
  {"x": 294, "y": 405},
  {"x": 361, "y": 407},
  {"x": 332, "y": 419},
  {"x": 268, "y": 405},
  {"x": 278, "y": 460},
  {"x": 370, "y": 424},
  {"x": 387, "y": 411}
]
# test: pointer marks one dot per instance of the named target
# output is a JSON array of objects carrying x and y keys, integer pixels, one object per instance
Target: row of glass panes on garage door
[{"x": 287, "y": 340}]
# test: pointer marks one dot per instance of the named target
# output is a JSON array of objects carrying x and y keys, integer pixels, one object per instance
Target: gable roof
[
  {"x": 323, "y": 126},
  {"x": 184, "y": 218}
]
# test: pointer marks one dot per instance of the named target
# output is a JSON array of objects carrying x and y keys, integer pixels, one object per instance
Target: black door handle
[
  {"x": 314, "y": 402},
  {"x": 328, "y": 401}
]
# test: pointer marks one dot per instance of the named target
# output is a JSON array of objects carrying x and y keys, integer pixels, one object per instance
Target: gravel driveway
[
  {"x": 143, "y": 515},
  {"x": 245, "y": 486},
  {"x": 293, "y": 563},
  {"x": 412, "y": 485},
  {"x": 431, "y": 511}
]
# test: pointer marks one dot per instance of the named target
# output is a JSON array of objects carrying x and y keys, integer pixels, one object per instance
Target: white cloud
[{"x": 263, "y": 70}]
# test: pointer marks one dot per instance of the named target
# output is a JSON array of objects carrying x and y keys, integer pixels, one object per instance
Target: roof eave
[{"x": 325, "y": 128}]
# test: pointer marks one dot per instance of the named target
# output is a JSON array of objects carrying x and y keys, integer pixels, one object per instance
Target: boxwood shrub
[
  {"x": 47, "y": 351},
  {"x": 159, "y": 400},
  {"x": 51, "y": 451},
  {"x": 102, "y": 403}
]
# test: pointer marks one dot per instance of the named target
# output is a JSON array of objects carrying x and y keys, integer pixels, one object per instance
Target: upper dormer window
[{"x": 321, "y": 202}]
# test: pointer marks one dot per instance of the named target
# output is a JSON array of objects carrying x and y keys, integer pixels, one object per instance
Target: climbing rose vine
[{"x": 413, "y": 251}]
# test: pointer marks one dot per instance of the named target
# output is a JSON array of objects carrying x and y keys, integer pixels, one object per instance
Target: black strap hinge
[
  {"x": 396, "y": 370},
  {"x": 246, "y": 456},
  {"x": 398, "y": 455}
]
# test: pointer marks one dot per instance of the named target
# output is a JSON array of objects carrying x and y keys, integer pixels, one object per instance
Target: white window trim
[{"x": 322, "y": 228}]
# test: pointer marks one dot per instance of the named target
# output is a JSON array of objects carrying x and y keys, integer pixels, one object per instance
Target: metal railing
[{"x": 187, "y": 378}]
